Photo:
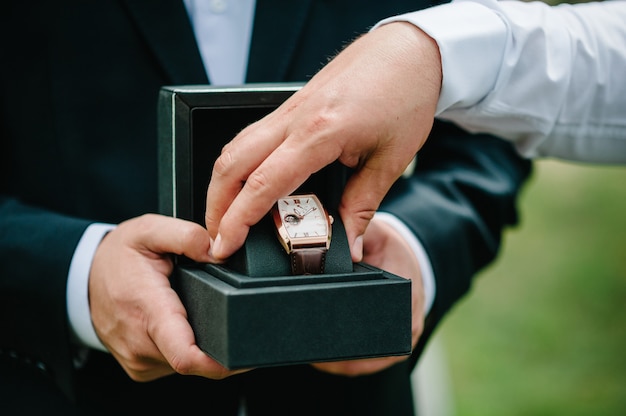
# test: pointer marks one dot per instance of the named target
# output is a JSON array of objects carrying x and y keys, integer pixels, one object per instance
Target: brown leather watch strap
[{"x": 308, "y": 260}]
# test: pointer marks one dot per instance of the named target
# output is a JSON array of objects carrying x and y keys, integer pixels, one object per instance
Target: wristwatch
[{"x": 304, "y": 229}]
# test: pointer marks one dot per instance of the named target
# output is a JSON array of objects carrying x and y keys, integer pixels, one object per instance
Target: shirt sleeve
[
  {"x": 548, "y": 78},
  {"x": 78, "y": 287}
]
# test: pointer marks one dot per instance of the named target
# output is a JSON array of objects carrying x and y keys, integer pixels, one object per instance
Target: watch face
[{"x": 303, "y": 216}]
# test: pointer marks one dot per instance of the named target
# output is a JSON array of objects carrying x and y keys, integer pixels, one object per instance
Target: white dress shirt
[
  {"x": 550, "y": 79},
  {"x": 223, "y": 29}
]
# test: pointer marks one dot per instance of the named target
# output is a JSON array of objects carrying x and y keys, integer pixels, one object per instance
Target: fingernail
[{"x": 357, "y": 249}]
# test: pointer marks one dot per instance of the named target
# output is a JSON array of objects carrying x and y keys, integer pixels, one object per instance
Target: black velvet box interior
[{"x": 250, "y": 311}]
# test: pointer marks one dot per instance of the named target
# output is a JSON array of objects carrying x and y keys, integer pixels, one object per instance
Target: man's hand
[
  {"x": 136, "y": 313},
  {"x": 386, "y": 249},
  {"x": 371, "y": 107}
]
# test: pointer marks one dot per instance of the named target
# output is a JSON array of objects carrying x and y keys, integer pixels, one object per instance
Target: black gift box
[{"x": 250, "y": 312}]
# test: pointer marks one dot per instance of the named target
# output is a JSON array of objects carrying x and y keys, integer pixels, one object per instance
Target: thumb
[{"x": 361, "y": 198}]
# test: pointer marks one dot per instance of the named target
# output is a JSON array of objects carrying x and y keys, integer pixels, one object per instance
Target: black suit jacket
[{"x": 80, "y": 81}]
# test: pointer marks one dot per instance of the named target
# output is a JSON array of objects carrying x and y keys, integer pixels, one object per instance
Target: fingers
[
  {"x": 385, "y": 248},
  {"x": 353, "y": 368},
  {"x": 377, "y": 131},
  {"x": 237, "y": 170},
  {"x": 231, "y": 170},
  {"x": 135, "y": 311},
  {"x": 176, "y": 342},
  {"x": 161, "y": 234},
  {"x": 169, "y": 346},
  {"x": 166, "y": 317},
  {"x": 361, "y": 198},
  {"x": 247, "y": 180},
  {"x": 250, "y": 202}
]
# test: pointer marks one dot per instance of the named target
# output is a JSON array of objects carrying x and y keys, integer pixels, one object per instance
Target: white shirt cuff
[
  {"x": 472, "y": 41},
  {"x": 428, "y": 277},
  {"x": 78, "y": 286}
]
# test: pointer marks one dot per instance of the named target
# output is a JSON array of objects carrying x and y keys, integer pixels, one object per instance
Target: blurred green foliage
[{"x": 543, "y": 330}]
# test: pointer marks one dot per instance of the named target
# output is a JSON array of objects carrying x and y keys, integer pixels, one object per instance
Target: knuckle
[
  {"x": 257, "y": 182},
  {"x": 224, "y": 163},
  {"x": 180, "y": 366},
  {"x": 320, "y": 121},
  {"x": 360, "y": 210},
  {"x": 189, "y": 235},
  {"x": 137, "y": 369},
  {"x": 144, "y": 222}
]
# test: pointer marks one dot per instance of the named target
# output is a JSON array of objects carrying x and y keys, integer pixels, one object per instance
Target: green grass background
[{"x": 543, "y": 331}]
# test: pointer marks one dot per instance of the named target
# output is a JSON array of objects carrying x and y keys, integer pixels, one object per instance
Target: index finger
[
  {"x": 275, "y": 177},
  {"x": 231, "y": 170}
]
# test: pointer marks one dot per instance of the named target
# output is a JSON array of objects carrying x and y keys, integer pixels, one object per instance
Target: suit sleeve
[
  {"x": 458, "y": 202},
  {"x": 36, "y": 247}
]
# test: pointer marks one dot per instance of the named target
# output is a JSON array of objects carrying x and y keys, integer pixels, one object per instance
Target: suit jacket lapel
[
  {"x": 277, "y": 26},
  {"x": 167, "y": 30}
]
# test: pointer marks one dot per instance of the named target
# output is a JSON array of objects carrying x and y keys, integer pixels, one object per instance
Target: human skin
[
  {"x": 358, "y": 110},
  {"x": 143, "y": 323},
  {"x": 135, "y": 312},
  {"x": 375, "y": 130},
  {"x": 385, "y": 248}
]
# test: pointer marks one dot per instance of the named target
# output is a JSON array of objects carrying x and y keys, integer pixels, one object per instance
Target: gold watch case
[{"x": 301, "y": 221}]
